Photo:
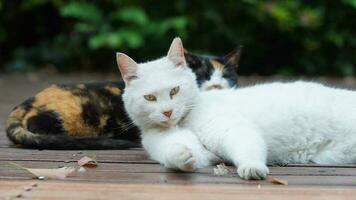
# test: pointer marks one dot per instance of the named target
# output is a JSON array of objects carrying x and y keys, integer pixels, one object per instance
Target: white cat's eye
[
  {"x": 174, "y": 91},
  {"x": 150, "y": 97}
]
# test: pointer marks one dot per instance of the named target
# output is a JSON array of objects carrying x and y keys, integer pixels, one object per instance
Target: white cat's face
[{"x": 159, "y": 92}]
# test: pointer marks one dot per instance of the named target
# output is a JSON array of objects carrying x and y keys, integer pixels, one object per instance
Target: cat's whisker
[{"x": 124, "y": 126}]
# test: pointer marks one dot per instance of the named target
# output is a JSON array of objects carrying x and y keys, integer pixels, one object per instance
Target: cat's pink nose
[{"x": 167, "y": 113}]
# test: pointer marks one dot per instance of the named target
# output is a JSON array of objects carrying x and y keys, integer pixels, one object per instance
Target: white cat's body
[
  {"x": 185, "y": 128},
  {"x": 299, "y": 122}
]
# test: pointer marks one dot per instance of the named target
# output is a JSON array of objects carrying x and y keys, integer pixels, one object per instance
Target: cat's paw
[
  {"x": 253, "y": 171},
  {"x": 182, "y": 158}
]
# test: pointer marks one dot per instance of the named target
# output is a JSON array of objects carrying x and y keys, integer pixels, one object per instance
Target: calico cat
[
  {"x": 91, "y": 116},
  {"x": 185, "y": 128}
]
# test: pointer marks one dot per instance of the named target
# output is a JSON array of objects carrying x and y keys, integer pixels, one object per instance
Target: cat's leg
[
  {"x": 178, "y": 149},
  {"x": 179, "y": 156},
  {"x": 336, "y": 152},
  {"x": 203, "y": 157},
  {"x": 187, "y": 153},
  {"x": 245, "y": 147}
]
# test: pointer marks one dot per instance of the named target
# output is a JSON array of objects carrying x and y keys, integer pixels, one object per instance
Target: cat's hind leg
[{"x": 337, "y": 152}]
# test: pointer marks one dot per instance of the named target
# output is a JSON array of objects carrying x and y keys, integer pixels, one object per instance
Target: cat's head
[
  {"x": 215, "y": 72},
  {"x": 158, "y": 92}
]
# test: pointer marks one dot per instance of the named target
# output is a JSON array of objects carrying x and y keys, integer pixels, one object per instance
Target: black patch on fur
[
  {"x": 45, "y": 122},
  {"x": 27, "y": 104},
  {"x": 122, "y": 130},
  {"x": 198, "y": 64},
  {"x": 230, "y": 75},
  {"x": 90, "y": 114}
]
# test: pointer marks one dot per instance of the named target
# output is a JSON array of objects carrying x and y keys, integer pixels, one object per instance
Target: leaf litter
[
  {"x": 57, "y": 173},
  {"x": 277, "y": 181},
  {"x": 88, "y": 162},
  {"x": 62, "y": 172},
  {"x": 222, "y": 170}
]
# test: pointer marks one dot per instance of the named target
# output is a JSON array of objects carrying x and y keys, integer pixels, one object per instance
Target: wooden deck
[{"x": 129, "y": 174}]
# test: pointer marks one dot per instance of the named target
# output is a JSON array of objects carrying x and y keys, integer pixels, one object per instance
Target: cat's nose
[{"x": 167, "y": 113}]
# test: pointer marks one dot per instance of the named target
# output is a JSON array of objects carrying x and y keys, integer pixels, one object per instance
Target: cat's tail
[{"x": 19, "y": 135}]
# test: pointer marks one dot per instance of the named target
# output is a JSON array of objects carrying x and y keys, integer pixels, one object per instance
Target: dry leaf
[
  {"x": 58, "y": 173},
  {"x": 278, "y": 181},
  {"x": 87, "y": 162},
  {"x": 222, "y": 170}
]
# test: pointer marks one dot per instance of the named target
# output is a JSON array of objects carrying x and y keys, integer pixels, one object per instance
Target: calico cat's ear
[
  {"x": 233, "y": 57},
  {"x": 127, "y": 67},
  {"x": 176, "y": 52},
  {"x": 192, "y": 60}
]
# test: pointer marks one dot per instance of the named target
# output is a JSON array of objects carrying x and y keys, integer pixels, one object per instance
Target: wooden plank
[
  {"x": 136, "y": 155},
  {"x": 192, "y": 178},
  {"x": 149, "y": 173},
  {"x": 4, "y": 142},
  {"x": 6, "y": 167},
  {"x": 70, "y": 190},
  {"x": 115, "y": 156}
]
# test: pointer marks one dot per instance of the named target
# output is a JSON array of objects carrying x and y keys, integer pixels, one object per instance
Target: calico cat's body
[
  {"x": 185, "y": 128},
  {"x": 91, "y": 116},
  {"x": 71, "y": 117}
]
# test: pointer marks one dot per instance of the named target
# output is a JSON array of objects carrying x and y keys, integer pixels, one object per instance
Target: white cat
[{"x": 185, "y": 128}]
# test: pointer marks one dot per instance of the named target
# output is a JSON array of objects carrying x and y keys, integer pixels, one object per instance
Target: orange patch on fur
[
  {"x": 69, "y": 108},
  {"x": 113, "y": 90},
  {"x": 217, "y": 65},
  {"x": 15, "y": 116}
]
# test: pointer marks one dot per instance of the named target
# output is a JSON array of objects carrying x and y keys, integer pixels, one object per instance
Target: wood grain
[{"x": 54, "y": 190}]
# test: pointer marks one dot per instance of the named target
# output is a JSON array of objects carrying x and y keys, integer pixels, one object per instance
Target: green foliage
[{"x": 284, "y": 37}]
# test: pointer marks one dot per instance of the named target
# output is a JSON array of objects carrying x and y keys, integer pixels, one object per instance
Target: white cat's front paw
[
  {"x": 182, "y": 158},
  {"x": 253, "y": 171}
]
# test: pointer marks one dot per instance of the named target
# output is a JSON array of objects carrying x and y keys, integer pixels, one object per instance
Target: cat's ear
[
  {"x": 176, "y": 52},
  {"x": 127, "y": 67},
  {"x": 193, "y": 60},
  {"x": 233, "y": 58}
]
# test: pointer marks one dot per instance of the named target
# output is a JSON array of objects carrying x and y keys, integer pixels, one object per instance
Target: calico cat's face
[
  {"x": 159, "y": 92},
  {"x": 215, "y": 72}
]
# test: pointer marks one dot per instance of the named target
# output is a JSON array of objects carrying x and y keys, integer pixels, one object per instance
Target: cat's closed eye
[
  {"x": 150, "y": 97},
  {"x": 174, "y": 91}
]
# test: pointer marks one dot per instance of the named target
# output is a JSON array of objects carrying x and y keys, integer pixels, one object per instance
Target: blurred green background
[{"x": 288, "y": 37}]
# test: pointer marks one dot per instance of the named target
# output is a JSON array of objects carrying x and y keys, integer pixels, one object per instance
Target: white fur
[
  {"x": 177, "y": 148},
  {"x": 297, "y": 122},
  {"x": 149, "y": 114}
]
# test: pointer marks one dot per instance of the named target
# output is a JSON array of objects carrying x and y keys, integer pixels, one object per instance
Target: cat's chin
[{"x": 169, "y": 123}]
